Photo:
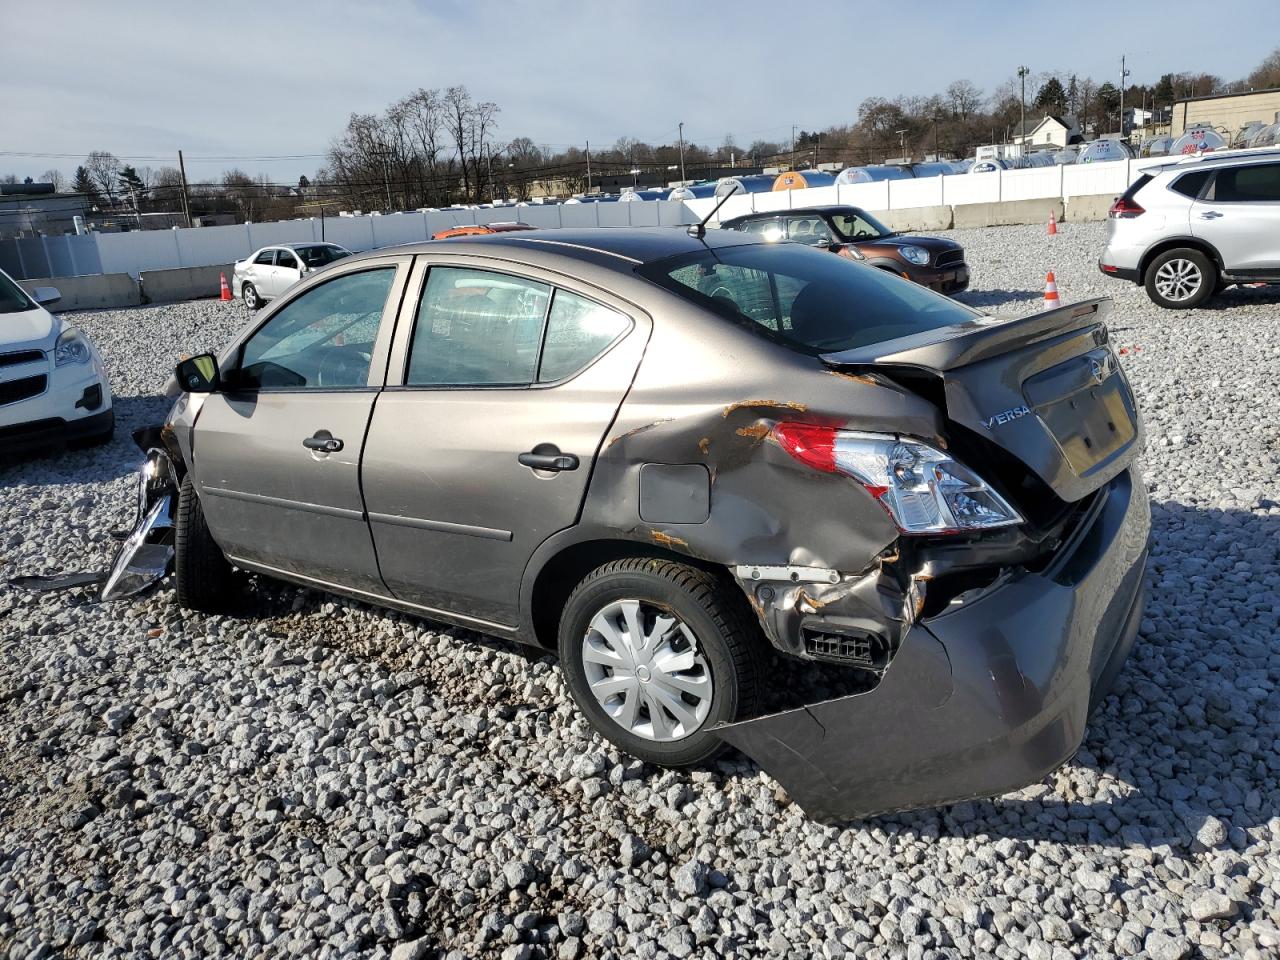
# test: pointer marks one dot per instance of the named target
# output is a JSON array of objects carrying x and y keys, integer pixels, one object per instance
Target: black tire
[
  {"x": 249, "y": 294},
  {"x": 1181, "y": 279},
  {"x": 204, "y": 579},
  {"x": 727, "y": 635}
]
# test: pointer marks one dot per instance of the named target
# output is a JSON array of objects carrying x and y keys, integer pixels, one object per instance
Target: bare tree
[
  {"x": 965, "y": 98},
  {"x": 104, "y": 171},
  {"x": 56, "y": 178}
]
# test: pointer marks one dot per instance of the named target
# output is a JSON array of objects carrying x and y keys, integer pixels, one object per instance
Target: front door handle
[
  {"x": 323, "y": 441},
  {"x": 1210, "y": 215},
  {"x": 549, "y": 461}
]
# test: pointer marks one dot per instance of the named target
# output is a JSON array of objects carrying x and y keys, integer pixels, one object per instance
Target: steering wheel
[{"x": 342, "y": 367}]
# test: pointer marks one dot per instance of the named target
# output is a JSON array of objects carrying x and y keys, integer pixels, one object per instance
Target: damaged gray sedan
[{"x": 694, "y": 466}]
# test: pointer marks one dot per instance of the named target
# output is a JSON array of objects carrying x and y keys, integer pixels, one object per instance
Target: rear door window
[
  {"x": 477, "y": 328},
  {"x": 1190, "y": 184},
  {"x": 265, "y": 258},
  {"x": 578, "y": 331},
  {"x": 1259, "y": 183}
]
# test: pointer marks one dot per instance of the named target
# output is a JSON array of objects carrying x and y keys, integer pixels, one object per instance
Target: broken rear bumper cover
[{"x": 981, "y": 699}]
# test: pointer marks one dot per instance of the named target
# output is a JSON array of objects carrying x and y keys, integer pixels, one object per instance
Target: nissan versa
[{"x": 675, "y": 458}]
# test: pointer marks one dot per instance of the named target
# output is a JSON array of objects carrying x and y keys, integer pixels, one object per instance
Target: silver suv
[{"x": 1189, "y": 228}]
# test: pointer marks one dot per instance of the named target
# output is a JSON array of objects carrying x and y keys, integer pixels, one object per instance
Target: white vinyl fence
[{"x": 149, "y": 250}]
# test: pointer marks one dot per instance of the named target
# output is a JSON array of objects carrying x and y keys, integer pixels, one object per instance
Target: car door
[
  {"x": 1240, "y": 215},
  {"x": 260, "y": 271},
  {"x": 498, "y": 398},
  {"x": 286, "y": 272},
  {"x": 276, "y": 451}
]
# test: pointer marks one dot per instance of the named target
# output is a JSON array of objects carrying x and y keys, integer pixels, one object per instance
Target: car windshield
[
  {"x": 12, "y": 299},
  {"x": 319, "y": 256},
  {"x": 804, "y": 298},
  {"x": 859, "y": 225}
]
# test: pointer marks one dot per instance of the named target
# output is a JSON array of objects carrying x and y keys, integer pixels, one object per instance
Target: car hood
[
  {"x": 932, "y": 244},
  {"x": 28, "y": 330}
]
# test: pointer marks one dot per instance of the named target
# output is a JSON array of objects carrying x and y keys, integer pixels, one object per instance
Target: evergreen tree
[
  {"x": 1051, "y": 98},
  {"x": 82, "y": 182}
]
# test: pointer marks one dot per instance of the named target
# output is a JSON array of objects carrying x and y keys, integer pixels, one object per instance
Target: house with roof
[{"x": 1048, "y": 131}]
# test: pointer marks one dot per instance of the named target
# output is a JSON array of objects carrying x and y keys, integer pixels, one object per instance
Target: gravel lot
[{"x": 328, "y": 780}]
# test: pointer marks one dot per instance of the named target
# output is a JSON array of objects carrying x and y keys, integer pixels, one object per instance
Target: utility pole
[
  {"x": 682, "y": 151},
  {"x": 588, "y": 166},
  {"x": 936, "y": 155},
  {"x": 902, "y": 144},
  {"x": 1022, "y": 115},
  {"x": 186, "y": 198},
  {"x": 1124, "y": 74}
]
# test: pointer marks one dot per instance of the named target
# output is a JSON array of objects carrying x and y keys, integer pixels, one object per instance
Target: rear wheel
[
  {"x": 656, "y": 654},
  {"x": 204, "y": 578},
  {"x": 250, "y": 294},
  {"x": 1181, "y": 279}
]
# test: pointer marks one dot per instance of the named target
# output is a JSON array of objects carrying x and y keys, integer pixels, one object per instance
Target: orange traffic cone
[
  {"x": 1051, "y": 291},
  {"x": 1053, "y": 224},
  {"x": 226, "y": 290}
]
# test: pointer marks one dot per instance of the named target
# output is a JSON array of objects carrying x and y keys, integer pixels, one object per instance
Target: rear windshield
[
  {"x": 12, "y": 299},
  {"x": 806, "y": 298}
]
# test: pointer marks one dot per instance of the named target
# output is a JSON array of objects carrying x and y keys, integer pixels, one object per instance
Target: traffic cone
[
  {"x": 1053, "y": 224},
  {"x": 1051, "y": 291},
  {"x": 226, "y": 290}
]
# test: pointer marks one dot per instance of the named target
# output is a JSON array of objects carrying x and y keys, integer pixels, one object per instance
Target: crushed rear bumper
[{"x": 979, "y": 700}]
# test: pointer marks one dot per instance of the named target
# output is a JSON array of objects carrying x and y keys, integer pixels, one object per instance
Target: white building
[{"x": 1049, "y": 131}]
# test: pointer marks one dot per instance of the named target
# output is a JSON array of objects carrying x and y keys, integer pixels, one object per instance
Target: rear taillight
[
  {"x": 1125, "y": 209},
  {"x": 924, "y": 490}
]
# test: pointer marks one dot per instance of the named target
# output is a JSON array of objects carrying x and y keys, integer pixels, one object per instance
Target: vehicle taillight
[
  {"x": 1125, "y": 209},
  {"x": 923, "y": 489}
]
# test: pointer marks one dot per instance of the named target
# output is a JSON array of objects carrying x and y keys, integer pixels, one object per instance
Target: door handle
[
  {"x": 1210, "y": 215},
  {"x": 549, "y": 461},
  {"x": 323, "y": 442}
]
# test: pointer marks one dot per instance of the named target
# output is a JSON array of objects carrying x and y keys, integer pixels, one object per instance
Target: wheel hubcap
[
  {"x": 644, "y": 668},
  {"x": 1178, "y": 280}
]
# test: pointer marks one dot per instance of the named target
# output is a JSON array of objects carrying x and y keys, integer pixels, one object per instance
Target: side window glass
[
  {"x": 265, "y": 258},
  {"x": 1255, "y": 184},
  {"x": 770, "y": 229},
  {"x": 287, "y": 259},
  {"x": 477, "y": 328},
  {"x": 578, "y": 331},
  {"x": 321, "y": 340},
  {"x": 808, "y": 230},
  {"x": 1190, "y": 184}
]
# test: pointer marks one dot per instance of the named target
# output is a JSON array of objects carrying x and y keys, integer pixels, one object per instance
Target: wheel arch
[
  {"x": 548, "y": 587},
  {"x": 1177, "y": 243}
]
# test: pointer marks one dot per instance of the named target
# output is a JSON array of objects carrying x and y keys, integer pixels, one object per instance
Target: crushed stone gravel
[{"x": 329, "y": 780}]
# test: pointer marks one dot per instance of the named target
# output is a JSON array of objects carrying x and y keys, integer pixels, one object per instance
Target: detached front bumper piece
[
  {"x": 980, "y": 700},
  {"x": 145, "y": 556}
]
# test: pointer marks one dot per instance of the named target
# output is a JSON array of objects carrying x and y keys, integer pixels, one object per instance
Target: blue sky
[{"x": 261, "y": 80}]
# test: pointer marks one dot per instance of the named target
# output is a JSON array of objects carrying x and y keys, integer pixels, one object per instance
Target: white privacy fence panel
[{"x": 140, "y": 251}]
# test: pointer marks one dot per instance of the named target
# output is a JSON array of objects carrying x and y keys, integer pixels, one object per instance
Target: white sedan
[
  {"x": 53, "y": 386},
  {"x": 267, "y": 273}
]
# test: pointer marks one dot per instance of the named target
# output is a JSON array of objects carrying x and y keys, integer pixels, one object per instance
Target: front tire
[
  {"x": 1181, "y": 279},
  {"x": 204, "y": 578},
  {"x": 656, "y": 654},
  {"x": 250, "y": 295}
]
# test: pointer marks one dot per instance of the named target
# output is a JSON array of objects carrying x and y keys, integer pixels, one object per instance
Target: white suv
[{"x": 1188, "y": 228}]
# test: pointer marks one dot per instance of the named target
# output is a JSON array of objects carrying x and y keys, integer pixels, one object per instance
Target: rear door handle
[
  {"x": 323, "y": 441},
  {"x": 1210, "y": 215},
  {"x": 549, "y": 461}
]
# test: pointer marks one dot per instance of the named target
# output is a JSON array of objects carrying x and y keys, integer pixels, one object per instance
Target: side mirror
[
  {"x": 46, "y": 296},
  {"x": 198, "y": 374}
]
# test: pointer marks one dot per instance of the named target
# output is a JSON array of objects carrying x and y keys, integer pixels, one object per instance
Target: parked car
[
  {"x": 481, "y": 229},
  {"x": 266, "y": 273},
  {"x": 53, "y": 385},
  {"x": 671, "y": 458},
  {"x": 852, "y": 232},
  {"x": 1188, "y": 228}
]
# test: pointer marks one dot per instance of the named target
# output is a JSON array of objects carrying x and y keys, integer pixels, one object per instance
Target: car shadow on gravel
[
  {"x": 60, "y": 464},
  {"x": 979, "y": 299}
]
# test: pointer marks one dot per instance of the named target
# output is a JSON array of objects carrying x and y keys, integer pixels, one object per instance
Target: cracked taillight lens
[{"x": 925, "y": 490}]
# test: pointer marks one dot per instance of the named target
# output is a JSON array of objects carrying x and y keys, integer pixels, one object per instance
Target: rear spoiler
[{"x": 983, "y": 337}]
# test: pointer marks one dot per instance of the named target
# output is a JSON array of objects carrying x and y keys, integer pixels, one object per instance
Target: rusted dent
[
  {"x": 756, "y": 431},
  {"x": 638, "y": 430},
  {"x": 666, "y": 539},
  {"x": 858, "y": 377},
  {"x": 767, "y": 404},
  {"x": 705, "y": 445},
  {"x": 808, "y": 604}
]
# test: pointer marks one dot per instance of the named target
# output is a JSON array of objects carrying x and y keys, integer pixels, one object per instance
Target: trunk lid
[{"x": 1047, "y": 389}]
